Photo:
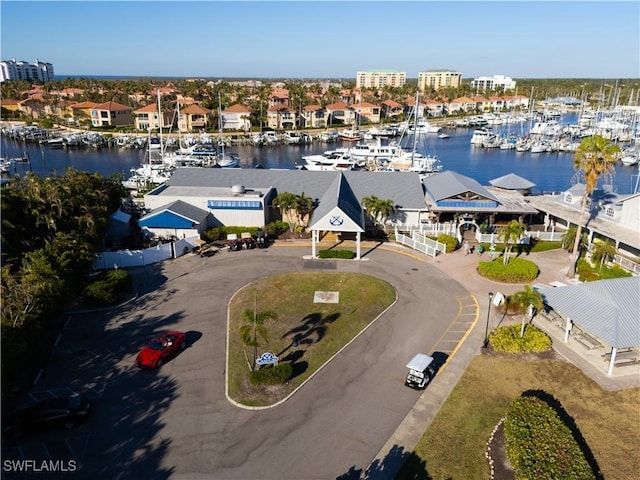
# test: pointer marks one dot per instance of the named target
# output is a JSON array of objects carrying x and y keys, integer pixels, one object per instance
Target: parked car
[
  {"x": 48, "y": 414},
  {"x": 161, "y": 349},
  {"x": 421, "y": 371},
  {"x": 233, "y": 244},
  {"x": 261, "y": 239},
  {"x": 247, "y": 241}
]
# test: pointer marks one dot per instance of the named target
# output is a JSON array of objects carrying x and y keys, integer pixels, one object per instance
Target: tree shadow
[
  {"x": 313, "y": 325},
  {"x": 397, "y": 463},
  {"x": 570, "y": 422}
]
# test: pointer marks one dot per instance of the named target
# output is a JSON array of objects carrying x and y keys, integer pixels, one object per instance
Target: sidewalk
[{"x": 553, "y": 268}]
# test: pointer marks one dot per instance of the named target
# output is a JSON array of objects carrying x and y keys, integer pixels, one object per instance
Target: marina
[{"x": 549, "y": 171}]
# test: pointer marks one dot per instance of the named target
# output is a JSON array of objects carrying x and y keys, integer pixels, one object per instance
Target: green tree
[
  {"x": 255, "y": 328},
  {"x": 594, "y": 157},
  {"x": 287, "y": 203},
  {"x": 379, "y": 210},
  {"x": 569, "y": 238},
  {"x": 510, "y": 234},
  {"x": 303, "y": 208},
  {"x": 603, "y": 250},
  {"x": 525, "y": 299}
]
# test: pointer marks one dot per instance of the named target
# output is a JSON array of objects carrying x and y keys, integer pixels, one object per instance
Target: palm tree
[
  {"x": 603, "y": 250},
  {"x": 525, "y": 298},
  {"x": 569, "y": 238},
  {"x": 253, "y": 328},
  {"x": 303, "y": 207},
  {"x": 285, "y": 202},
  {"x": 594, "y": 157},
  {"x": 510, "y": 234}
]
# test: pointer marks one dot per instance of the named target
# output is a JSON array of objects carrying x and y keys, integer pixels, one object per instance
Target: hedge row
[
  {"x": 272, "y": 375},
  {"x": 518, "y": 270},
  {"x": 346, "y": 254},
  {"x": 587, "y": 273},
  {"x": 539, "y": 444},
  {"x": 109, "y": 289},
  {"x": 508, "y": 340},
  {"x": 272, "y": 229}
]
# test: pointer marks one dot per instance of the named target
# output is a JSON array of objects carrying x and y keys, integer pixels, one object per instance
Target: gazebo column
[
  {"x": 567, "y": 329},
  {"x": 357, "y": 245},
  {"x": 612, "y": 360},
  {"x": 314, "y": 239}
]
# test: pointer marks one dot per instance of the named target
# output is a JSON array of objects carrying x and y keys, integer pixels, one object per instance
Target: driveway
[{"x": 178, "y": 423}]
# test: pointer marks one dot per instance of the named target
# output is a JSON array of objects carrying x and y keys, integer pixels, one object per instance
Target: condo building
[
  {"x": 493, "y": 83},
  {"x": 19, "y": 70},
  {"x": 438, "y": 79},
  {"x": 380, "y": 78}
]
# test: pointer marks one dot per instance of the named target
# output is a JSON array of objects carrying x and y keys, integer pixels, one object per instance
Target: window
[{"x": 235, "y": 204}]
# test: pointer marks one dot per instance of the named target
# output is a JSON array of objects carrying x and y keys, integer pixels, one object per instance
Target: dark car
[
  {"x": 48, "y": 414},
  {"x": 161, "y": 349}
]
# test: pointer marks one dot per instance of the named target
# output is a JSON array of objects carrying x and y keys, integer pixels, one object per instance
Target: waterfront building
[
  {"x": 281, "y": 117},
  {"x": 111, "y": 114},
  {"x": 380, "y": 78},
  {"x": 481, "y": 84},
  {"x": 148, "y": 117},
  {"x": 31, "y": 72},
  {"x": 313, "y": 116},
  {"x": 437, "y": 79},
  {"x": 367, "y": 112},
  {"x": 194, "y": 118},
  {"x": 236, "y": 117}
]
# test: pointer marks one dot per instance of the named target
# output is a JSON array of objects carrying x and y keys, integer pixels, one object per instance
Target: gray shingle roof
[
  {"x": 403, "y": 188},
  {"x": 450, "y": 184},
  {"x": 183, "y": 209},
  {"x": 511, "y": 181},
  {"x": 608, "y": 309}
]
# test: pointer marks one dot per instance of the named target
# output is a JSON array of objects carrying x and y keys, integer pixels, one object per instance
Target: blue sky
[{"x": 329, "y": 39}]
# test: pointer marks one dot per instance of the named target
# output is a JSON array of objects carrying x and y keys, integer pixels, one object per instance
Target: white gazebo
[{"x": 338, "y": 211}]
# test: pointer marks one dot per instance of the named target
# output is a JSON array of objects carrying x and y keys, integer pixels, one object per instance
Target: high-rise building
[
  {"x": 19, "y": 70},
  {"x": 380, "y": 78},
  {"x": 492, "y": 83},
  {"x": 438, "y": 79}
]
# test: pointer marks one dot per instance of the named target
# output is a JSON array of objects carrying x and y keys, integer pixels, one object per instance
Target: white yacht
[
  {"x": 481, "y": 136},
  {"x": 331, "y": 160}
]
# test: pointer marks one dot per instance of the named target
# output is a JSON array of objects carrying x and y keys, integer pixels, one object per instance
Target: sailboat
[
  {"x": 411, "y": 160},
  {"x": 225, "y": 159}
]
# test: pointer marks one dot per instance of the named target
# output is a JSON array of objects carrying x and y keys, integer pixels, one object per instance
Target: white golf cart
[{"x": 421, "y": 371}]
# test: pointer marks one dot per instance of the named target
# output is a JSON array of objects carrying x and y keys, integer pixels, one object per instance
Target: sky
[{"x": 325, "y": 39}]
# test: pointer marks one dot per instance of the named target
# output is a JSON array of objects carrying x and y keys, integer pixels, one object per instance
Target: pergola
[
  {"x": 607, "y": 309},
  {"x": 338, "y": 211}
]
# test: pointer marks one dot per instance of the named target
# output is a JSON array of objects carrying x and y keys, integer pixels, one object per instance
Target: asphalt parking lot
[{"x": 176, "y": 422}]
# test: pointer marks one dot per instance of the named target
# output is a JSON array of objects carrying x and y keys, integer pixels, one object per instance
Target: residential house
[
  {"x": 314, "y": 116},
  {"x": 482, "y": 104},
  {"x": 279, "y": 97},
  {"x": 434, "y": 108},
  {"x": 281, "y": 118},
  {"x": 461, "y": 105},
  {"x": 148, "y": 118},
  {"x": 111, "y": 114},
  {"x": 236, "y": 117},
  {"x": 194, "y": 118},
  {"x": 367, "y": 113},
  {"x": 391, "y": 109},
  {"x": 60, "y": 109},
  {"x": 82, "y": 110},
  {"x": 340, "y": 113}
]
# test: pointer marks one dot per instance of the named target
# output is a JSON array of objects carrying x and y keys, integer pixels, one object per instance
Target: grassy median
[
  {"x": 454, "y": 445},
  {"x": 306, "y": 334}
]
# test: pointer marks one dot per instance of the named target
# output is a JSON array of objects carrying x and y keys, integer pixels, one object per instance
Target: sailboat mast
[
  {"x": 220, "y": 141},
  {"x": 415, "y": 129},
  {"x": 160, "y": 124}
]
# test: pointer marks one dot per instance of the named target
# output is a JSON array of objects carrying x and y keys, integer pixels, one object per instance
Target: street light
[{"x": 486, "y": 330}]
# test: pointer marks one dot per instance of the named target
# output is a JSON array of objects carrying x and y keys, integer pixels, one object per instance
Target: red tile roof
[{"x": 237, "y": 108}]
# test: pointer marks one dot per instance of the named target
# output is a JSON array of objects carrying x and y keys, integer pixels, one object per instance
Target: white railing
[
  {"x": 627, "y": 264},
  {"x": 428, "y": 248}
]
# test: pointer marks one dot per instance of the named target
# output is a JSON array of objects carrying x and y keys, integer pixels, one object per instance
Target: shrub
[
  {"x": 450, "y": 241},
  {"x": 272, "y": 375},
  {"x": 518, "y": 270},
  {"x": 540, "y": 445},
  {"x": 220, "y": 233},
  {"x": 109, "y": 289},
  {"x": 346, "y": 254},
  {"x": 507, "y": 339},
  {"x": 276, "y": 228},
  {"x": 587, "y": 273}
]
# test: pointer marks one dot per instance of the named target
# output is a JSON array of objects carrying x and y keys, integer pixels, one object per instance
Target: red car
[{"x": 161, "y": 349}]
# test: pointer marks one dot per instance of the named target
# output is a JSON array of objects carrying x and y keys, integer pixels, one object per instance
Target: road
[{"x": 177, "y": 422}]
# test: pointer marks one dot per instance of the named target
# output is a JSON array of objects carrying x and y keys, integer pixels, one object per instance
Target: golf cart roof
[
  {"x": 232, "y": 236},
  {"x": 245, "y": 235},
  {"x": 420, "y": 362}
]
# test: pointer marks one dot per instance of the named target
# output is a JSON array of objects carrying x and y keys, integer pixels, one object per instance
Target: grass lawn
[
  {"x": 454, "y": 445},
  {"x": 320, "y": 329}
]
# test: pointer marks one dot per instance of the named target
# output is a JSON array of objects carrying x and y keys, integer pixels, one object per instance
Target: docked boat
[
  {"x": 331, "y": 160},
  {"x": 350, "y": 134},
  {"x": 481, "y": 136}
]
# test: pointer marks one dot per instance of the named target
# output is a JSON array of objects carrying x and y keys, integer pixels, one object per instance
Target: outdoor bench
[{"x": 584, "y": 339}]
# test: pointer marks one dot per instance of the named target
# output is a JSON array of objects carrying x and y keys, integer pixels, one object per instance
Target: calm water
[{"x": 551, "y": 172}]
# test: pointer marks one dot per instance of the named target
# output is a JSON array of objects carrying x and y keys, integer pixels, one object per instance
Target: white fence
[
  {"x": 421, "y": 243},
  {"x": 435, "y": 229},
  {"x": 140, "y": 258}
]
